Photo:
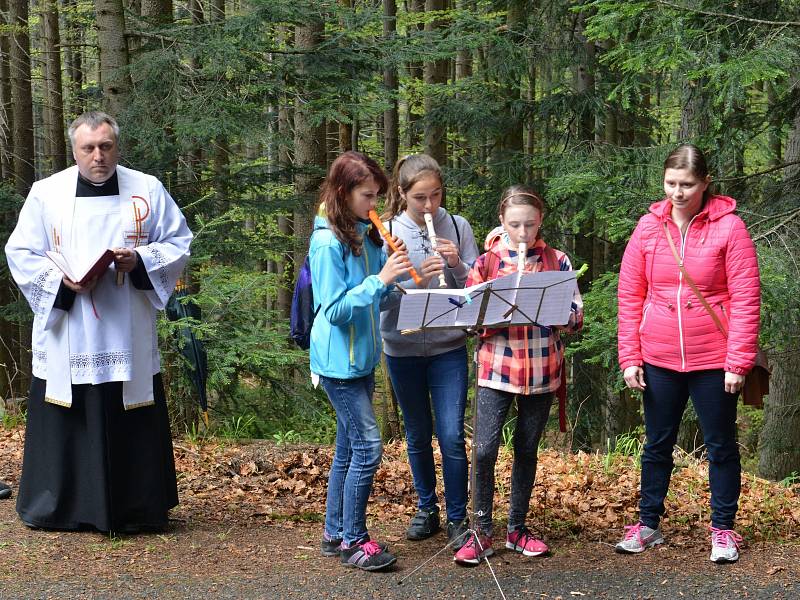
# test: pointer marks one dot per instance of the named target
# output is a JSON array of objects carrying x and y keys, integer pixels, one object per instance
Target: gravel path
[{"x": 203, "y": 560}]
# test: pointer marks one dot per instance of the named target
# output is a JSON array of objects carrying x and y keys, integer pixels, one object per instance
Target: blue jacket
[{"x": 345, "y": 337}]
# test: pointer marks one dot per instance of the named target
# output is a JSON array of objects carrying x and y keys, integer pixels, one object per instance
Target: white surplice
[{"x": 108, "y": 334}]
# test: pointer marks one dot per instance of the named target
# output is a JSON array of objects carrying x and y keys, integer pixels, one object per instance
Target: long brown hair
[
  {"x": 349, "y": 170},
  {"x": 516, "y": 195},
  {"x": 690, "y": 157},
  {"x": 408, "y": 171}
]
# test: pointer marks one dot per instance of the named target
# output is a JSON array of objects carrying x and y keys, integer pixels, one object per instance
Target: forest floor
[{"x": 249, "y": 525}]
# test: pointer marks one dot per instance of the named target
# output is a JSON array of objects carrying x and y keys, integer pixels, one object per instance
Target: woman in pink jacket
[{"x": 670, "y": 347}]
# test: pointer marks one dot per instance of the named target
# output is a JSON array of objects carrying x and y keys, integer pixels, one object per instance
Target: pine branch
[
  {"x": 760, "y": 173},
  {"x": 710, "y": 13}
]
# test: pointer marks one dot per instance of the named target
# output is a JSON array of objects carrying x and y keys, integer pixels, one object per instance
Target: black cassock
[{"x": 95, "y": 465}]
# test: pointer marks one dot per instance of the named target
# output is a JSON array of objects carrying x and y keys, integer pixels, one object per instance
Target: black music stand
[{"x": 543, "y": 299}]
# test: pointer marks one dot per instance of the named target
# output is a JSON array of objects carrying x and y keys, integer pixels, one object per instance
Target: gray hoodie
[{"x": 428, "y": 343}]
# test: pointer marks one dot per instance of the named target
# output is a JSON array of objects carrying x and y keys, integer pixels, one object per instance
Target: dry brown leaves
[{"x": 574, "y": 493}]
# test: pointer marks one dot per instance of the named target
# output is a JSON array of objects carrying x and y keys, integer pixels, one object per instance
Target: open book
[{"x": 79, "y": 273}]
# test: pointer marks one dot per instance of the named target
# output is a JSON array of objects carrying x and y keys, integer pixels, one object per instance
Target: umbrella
[{"x": 191, "y": 348}]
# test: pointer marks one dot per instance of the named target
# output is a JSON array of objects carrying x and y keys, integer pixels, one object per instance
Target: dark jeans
[
  {"x": 438, "y": 382},
  {"x": 532, "y": 413},
  {"x": 357, "y": 457},
  {"x": 665, "y": 398}
]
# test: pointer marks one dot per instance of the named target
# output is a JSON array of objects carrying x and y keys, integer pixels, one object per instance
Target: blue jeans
[
  {"x": 357, "y": 457},
  {"x": 440, "y": 382},
  {"x": 665, "y": 400}
]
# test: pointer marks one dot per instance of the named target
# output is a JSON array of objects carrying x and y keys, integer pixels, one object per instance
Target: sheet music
[
  {"x": 435, "y": 308},
  {"x": 543, "y": 298}
]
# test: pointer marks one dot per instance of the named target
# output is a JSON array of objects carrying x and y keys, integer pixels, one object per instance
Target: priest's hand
[
  {"x": 78, "y": 288},
  {"x": 124, "y": 259}
]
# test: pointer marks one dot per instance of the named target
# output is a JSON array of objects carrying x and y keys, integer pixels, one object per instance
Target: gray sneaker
[
  {"x": 724, "y": 545},
  {"x": 638, "y": 538}
]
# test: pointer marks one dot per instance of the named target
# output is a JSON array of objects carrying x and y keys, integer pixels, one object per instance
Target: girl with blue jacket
[{"x": 350, "y": 275}]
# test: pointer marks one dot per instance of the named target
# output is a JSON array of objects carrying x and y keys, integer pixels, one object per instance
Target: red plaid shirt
[{"x": 523, "y": 359}]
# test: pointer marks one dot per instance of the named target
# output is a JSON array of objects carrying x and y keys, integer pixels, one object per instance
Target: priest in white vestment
[{"x": 98, "y": 450}]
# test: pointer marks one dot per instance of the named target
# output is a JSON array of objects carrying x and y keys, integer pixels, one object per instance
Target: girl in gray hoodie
[{"x": 428, "y": 369}]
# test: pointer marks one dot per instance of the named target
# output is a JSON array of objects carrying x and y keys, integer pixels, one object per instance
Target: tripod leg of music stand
[{"x": 473, "y": 451}]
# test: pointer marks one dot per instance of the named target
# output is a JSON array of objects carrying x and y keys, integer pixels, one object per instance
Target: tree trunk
[
  {"x": 73, "y": 59},
  {"x": 22, "y": 98},
  {"x": 694, "y": 115},
  {"x": 589, "y": 382},
  {"x": 512, "y": 140},
  {"x": 391, "y": 116},
  {"x": 309, "y": 141},
  {"x": 216, "y": 10},
  {"x": 776, "y": 124},
  {"x": 779, "y": 441},
  {"x": 585, "y": 82},
  {"x": 435, "y": 75},
  {"x": 415, "y": 72},
  {"x": 54, "y": 99},
  {"x": 6, "y": 101},
  {"x": 114, "y": 76}
]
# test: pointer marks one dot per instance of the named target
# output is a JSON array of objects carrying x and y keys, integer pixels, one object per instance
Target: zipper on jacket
[
  {"x": 352, "y": 341},
  {"x": 371, "y": 310},
  {"x": 680, "y": 287}
]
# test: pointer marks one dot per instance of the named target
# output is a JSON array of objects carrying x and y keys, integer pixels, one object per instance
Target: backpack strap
[
  {"x": 458, "y": 233},
  {"x": 489, "y": 265},
  {"x": 550, "y": 260}
]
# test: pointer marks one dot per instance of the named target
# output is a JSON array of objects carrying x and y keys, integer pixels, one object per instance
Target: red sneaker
[
  {"x": 522, "y": 540},
  {"x": 474, "y": 549}
]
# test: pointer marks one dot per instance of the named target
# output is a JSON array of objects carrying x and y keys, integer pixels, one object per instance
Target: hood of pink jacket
[
  {"x": 661, "y": 321},
  {"x": 715, "y": 208}
]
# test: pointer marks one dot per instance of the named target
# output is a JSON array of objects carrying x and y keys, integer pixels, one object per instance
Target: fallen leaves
[{"x": 574, "y": 493}]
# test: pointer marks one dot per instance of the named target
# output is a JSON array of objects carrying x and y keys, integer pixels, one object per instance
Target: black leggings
[{"x": 532, "y": 414}]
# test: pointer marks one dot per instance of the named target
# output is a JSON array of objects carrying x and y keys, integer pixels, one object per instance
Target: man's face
[{"x": 96, "y": 152}]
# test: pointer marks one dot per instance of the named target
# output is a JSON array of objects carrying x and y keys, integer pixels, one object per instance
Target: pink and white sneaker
[
  {"x": 474, "y": 549},
  {"x": 638, "y": 538},
  {"x": 724, "y": 545},
  {"x": 522, "y": 540}
]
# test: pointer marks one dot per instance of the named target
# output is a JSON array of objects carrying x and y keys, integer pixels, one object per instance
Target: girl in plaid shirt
[{"x": 523, "y": 362}]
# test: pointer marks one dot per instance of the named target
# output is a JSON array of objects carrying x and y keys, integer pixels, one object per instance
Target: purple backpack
[{"x": 301, "y": 318}]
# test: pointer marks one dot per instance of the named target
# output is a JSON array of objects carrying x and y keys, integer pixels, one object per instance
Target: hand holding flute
[
  {"x": 398, "y": 262},
  {"x": 432, "y": 236}
]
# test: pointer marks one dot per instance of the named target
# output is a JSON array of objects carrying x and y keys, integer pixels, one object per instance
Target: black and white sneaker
[
  {"x": 367, "y": 556},
  {"x": 5, "y": 491},
  {"x": 424, "y": 524}
]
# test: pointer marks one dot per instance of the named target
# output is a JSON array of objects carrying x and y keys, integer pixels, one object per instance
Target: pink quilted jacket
[{"x": 661, "y": 322}]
